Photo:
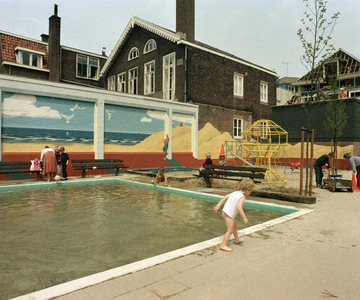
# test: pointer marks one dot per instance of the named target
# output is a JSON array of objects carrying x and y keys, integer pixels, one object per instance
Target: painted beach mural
[{"x": 29, "y": 122}]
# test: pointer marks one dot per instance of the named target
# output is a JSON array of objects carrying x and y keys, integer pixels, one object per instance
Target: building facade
[{"x": 155, "y": 62}]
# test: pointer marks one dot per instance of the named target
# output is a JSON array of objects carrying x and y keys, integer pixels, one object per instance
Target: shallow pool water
[{"x": 50, "y": 235}]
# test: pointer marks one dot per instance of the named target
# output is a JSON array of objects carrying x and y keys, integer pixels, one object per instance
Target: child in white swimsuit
[{"x": 232, "y": 207}]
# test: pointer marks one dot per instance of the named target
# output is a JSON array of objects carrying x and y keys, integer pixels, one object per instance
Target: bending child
[
  {"x": 162, "y": 177},
  {"x": 232, "y": 207}
]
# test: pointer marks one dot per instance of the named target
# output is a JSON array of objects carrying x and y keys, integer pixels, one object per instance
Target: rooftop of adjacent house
[
  {"x": 174, "y": 37},
  {"x": 349, "y": 64},
  {"x": 11, "y": 42}
]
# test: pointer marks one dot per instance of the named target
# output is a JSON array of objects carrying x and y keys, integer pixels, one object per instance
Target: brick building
[
  {"x": 47, "y": 59},
  {"x": 150, "y": 60}
]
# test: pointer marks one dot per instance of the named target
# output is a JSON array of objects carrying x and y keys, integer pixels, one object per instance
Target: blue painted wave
[{"x": 54, "y": 136}]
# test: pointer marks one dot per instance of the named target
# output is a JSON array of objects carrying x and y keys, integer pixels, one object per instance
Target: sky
[{"x": 260, "y": 31}]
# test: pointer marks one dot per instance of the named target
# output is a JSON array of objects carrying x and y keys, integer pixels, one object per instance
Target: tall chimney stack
[
  {"x": 185, "y": 18},
  {"x": 54, "y": 46}
]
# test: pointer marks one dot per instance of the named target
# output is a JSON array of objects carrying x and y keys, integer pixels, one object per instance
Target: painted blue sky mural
[{"x": 28, "y": 118}]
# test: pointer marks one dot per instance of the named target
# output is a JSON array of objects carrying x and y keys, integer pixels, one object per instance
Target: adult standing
[
  {"x": 323, "y": 160},
  {"x": 166, "y": 145},
  {"x": 355, "y": 165},
  {"x": 49, "y": 163}
]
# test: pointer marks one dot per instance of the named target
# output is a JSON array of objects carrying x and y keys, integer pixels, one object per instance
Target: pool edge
[{"x": 84, "y": 282}]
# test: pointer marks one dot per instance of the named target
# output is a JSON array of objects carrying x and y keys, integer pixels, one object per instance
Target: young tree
[
  {"x": 315, "y": 39},
  {"x": 335, "y": 117}
]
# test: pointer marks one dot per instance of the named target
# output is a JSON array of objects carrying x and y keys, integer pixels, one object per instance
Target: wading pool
[{"x": 54, "y": 233}]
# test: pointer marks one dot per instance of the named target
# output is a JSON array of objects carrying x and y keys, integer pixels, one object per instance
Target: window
[
  {"x": 149, "y": 78},
  {"x": 263, "y": 92},
  {"x": 111, "y": 83},
  {"x": 134, "y": 53},
  {"x": 238, "y": 123},
  {"x": 87, "y": 67},
  {"x": 28, "y": 57},
  {"x": 264, "y": 132},
  {"x": 169, "y": 76},
  {"x": 149, "y": 46},
  {"x": 121, "y": 82},
  {"x": 133, "y": 76},
  {"x": 238, "y": 85}
]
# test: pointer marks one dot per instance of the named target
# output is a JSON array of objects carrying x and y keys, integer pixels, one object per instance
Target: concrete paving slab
[
  {"x": 106, "y": 290},
  {"x": 140, "y": 293},
  {"x": 166, "y": 288}
]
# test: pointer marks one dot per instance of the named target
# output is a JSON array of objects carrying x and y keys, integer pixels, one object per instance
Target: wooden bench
[
  {"x": 215, "y": 171},
  {"x": 8, "y": 167},
  {"x": 97, "y": 164}
]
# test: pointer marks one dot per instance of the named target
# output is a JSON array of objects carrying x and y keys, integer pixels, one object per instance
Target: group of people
[
  {"x": 324, "y": 160},
  {"x": 53, "y": 162}
]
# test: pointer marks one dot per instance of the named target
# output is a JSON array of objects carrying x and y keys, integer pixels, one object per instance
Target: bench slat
[
  {"x": 114, "y": 165},
  {"x": 233, "y": 174},
  {"x": 250, "y": 169},
  {"x": 95, "y": 160}
]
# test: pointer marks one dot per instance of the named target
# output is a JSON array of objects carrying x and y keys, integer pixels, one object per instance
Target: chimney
[
  {"x": 45, "y": 38},
  {"x": 54, "y": 46},
  {"x": 185, "y": 18},
  {"x": 103, "y": 51}
]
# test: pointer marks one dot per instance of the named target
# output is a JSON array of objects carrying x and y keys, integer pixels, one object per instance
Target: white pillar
[
  {"x": 168, "y": 130},
  {"x": 194, "y": 135},
  {"x": 99, "y": 108}
]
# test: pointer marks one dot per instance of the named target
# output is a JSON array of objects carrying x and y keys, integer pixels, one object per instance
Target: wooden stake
[
  {"x": 311, "y": 161},
  {"x": 301, "y": 160}
]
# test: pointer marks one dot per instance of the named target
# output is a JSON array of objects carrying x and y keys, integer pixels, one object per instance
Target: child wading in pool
[{"x": 232, "y": 207}]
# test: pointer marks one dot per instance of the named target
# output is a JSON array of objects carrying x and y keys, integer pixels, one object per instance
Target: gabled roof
[
  {"x": 11, "y": 41},
  {"x": 348, "y": 64},
  {"x": 173, "y": 37}
]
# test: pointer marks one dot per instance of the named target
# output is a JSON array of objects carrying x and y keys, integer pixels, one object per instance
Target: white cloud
[
  {"x": 155, "y": 114},
  {"x": 146, "y": 120},
  {"x": 160, "y": 115},
  {"x": 20, "y": 105}
]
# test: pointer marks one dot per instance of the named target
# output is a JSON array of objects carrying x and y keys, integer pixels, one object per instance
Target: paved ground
[{"x": 316, "y": 256}]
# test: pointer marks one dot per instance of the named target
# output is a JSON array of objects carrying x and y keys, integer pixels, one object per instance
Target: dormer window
[
  {"x": 150, "y": 46},
  {"x": 134, "y": 53},
  {"x": 87, "y": 67},
  {"x": 28, "y": 57}
]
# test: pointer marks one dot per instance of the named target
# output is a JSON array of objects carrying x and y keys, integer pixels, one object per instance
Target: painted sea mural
[
  {"x": 50, "y": 120},
  {"x": 30, "y": 119}
]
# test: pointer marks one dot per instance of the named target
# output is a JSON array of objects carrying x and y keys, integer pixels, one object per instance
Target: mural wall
[{"x": 88, "y": 120}]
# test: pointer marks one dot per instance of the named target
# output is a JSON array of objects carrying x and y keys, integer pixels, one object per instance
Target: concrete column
[
  {"x": 99, "y": 108},
  {"x": 168, "y": 130},
  {"x": 194, "y": 136}
]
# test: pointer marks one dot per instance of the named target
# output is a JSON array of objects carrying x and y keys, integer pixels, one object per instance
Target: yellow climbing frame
[{"x": 262, "y": 141}]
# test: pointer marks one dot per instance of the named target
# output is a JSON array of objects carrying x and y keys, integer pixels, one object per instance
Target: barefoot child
[
  {"x": 232, "y": 207},
  {"x": 162, "y": 177}
]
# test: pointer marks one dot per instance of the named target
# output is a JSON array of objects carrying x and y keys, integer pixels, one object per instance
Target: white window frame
[
  {"x": 111, "y": 83},
  {"x": 20, "y": 52},
  {"x": 150, "y": 46},
  {"x": 236, "y": 127},
  {"x": 133, "y": 53},
  {"x": 263, "y": 92},
  {"x": 149, "y": 78},
  {"x": 169, "y": 73},
  {"x": 264, "y": 131},
  {"x": 133, "y": 81},
  {"x": 238, "y": 85},
  {"x": 92, "y": 67},
  {"x": 121, "y": 82}
]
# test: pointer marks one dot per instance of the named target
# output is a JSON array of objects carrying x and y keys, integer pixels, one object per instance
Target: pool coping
[{"x": 81, "y": 283}]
